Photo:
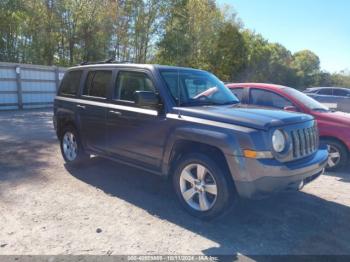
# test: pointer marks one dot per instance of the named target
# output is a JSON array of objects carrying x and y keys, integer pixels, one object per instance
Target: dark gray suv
[
  {"x": 336, "y": 98},
  {"x": 185, "y": 124}
]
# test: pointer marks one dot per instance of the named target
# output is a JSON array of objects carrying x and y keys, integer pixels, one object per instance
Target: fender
[
  {"x": 66, "y": 114},
  {"x": 226, "y": 143}
]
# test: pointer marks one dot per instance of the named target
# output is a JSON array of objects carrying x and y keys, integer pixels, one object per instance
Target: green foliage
[
  {"x": 228, "y": 55},
  {"x": 193, "y": 33},
  {"x": 341, "y": 79}
]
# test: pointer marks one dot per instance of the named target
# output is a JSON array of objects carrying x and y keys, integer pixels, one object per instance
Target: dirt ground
[{"x": 107, "y": 208}]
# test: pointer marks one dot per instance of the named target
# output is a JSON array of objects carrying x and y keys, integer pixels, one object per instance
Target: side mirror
[
  {"x": 291, "y": 108},
  {"x": 146, "y": 99}
]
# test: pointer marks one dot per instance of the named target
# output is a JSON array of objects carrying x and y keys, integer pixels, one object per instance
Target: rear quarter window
[{"x": 70, "y": 83}]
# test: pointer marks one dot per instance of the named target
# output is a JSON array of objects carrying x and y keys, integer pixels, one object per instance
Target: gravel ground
[{"x": 107, "y": 208}]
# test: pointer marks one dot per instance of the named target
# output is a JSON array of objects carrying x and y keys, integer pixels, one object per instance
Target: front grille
[{"x": 305, "y": 141}]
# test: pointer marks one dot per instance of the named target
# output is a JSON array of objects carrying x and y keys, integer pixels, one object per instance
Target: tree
[
  {"x": 341, "y": 79},
  {"x": 257, "y": 58},
  {"x": 229, "y": 53},
  {"x": 306, "y": 65},
  {"x": 136, "y": 24},
  {"x": 193, "y": 33},
  {"x": 280, "y": 71},
  {"x": 174, "y": 46},
  {"x": 12, "y": 17}
]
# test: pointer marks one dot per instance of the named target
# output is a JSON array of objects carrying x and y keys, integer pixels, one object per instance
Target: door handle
[
  {"x": 117, "y": 113},
  {"x": 81, "y": 106}
]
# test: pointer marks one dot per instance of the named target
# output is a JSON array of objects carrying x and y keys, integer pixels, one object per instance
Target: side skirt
[{"x": 123, "y": 162}]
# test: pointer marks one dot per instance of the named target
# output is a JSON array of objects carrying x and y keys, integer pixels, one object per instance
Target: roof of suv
[{"x": 132, "y": 65}]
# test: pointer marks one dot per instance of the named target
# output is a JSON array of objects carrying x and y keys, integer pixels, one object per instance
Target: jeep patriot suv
[{"x": 185, "y": 124}]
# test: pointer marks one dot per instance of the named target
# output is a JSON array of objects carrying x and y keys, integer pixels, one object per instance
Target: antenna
[
  {"x": 178, "y": 91},
  {"x": 178, "y": 70}
]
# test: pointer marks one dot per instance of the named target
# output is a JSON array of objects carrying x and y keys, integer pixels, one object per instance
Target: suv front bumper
[{"x": 261, "y": 177}]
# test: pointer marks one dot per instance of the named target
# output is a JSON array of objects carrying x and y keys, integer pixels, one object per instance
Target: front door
[
  {"x": 268, "y": 99},
  {"x": 135, "y": 134}
]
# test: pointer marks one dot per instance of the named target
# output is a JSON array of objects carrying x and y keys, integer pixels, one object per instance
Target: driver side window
[
  {"x": 130, "y": 82},
  {"x": 268, "y": 99}
]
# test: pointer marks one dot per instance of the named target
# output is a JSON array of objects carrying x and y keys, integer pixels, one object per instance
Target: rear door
[
  {"x": 92, "y": 108},
  {"x": 135, "y": 134}
]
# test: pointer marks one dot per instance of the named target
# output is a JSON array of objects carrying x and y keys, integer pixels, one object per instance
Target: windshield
[
  {"x": 197, "y": 88},
  {"x": 306, "y": 100}
]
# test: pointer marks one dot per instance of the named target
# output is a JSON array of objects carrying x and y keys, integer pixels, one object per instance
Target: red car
[{"x": 334, "y": 127}]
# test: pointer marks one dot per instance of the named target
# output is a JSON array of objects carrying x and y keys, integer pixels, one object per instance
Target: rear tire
[
  {"x": 338, "y": 154},
  {"x": 203, "y": 188},
  {"x": 71, "y": 147}
]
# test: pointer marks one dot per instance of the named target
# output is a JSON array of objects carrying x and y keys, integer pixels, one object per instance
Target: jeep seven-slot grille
[{"x": 305, "y": 141}]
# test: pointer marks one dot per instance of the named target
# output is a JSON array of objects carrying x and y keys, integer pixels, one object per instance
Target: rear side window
[
  {"x": 326, "y": 92},
  {"x": 97, "y": 83},
  {"x": 340, "y": 92},
  {"x": 268, "y": 99},
  {"x": 70, "y": 83},
  {"x": 238, "y": 92}
]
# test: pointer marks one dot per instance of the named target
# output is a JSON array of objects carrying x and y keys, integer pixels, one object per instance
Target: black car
[{"x": 185, "y": 124}]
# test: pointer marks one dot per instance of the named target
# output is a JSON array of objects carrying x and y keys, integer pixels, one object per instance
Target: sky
[{"x": 322, "y": 26}]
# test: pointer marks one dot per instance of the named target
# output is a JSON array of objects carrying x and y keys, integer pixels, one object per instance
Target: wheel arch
[
  {"x": 335, "y": 139},
  {"x": 63, "y": 122},
  {"x": 191, "y": 140}
]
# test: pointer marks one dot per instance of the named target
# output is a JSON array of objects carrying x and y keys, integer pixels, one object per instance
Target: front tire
[
  {"x": 203, "y": 188},
  {"x": 338, "y": 154},
  {"x": 71, "y": 147}
]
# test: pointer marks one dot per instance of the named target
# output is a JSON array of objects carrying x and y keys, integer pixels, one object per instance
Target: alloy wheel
[
  {"x": 70, "y": 146},
  {"x": 334, "y": 156},
  {"x": 198, "y": 187}
]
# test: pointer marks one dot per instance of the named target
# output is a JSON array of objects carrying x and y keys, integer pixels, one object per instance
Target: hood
[
  {"x": 252, "y": 117},
  {"x": 334, "y": 117}
]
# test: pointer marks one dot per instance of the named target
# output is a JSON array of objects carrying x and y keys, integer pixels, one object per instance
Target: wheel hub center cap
[{"x": 198, "y": 186}]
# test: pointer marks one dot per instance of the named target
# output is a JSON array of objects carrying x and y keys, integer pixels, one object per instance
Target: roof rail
[{"x": 107, "y": 61}]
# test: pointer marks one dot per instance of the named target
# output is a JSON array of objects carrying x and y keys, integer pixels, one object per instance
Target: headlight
[{"x": 278, "y": 141}]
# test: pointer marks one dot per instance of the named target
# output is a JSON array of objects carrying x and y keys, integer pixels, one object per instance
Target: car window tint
[
  {"x": 130, "y": 82},
  {"x": 340, "y": 92},
  {"x": 196, "y": 86},
  {"x": 268, "y": 99},
  {"x": 238, "y": 92},
  {"x": 97, "y": 83},
  {"x": 325, "y": 91},
  {"x": 70, "y": 83}
]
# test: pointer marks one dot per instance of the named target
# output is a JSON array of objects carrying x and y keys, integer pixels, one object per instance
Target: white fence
[{"x": 25, "y": 86}]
